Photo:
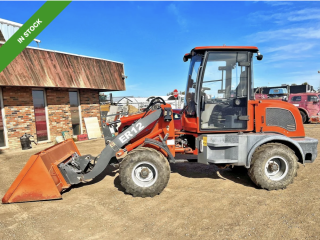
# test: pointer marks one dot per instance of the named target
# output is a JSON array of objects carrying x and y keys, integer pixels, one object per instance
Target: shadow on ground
[
  {"x": 191, "y": 170},
  {"x": 197, "y": 170}
]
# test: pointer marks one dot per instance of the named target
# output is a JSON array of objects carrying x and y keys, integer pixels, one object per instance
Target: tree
[
  {"x": 305, "y": 83},
  {"x": 293, "y": 84}
]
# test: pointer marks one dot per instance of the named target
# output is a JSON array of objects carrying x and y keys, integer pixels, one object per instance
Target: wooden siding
[{"x": 43, "y": 68}]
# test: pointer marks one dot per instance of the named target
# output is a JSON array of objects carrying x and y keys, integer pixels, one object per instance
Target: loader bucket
[{"x": 40, "y": 179}]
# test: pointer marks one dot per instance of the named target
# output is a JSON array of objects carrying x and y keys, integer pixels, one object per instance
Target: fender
[
  {"x": 280, "y": 139},
  {"x": 161, "y": 145}
]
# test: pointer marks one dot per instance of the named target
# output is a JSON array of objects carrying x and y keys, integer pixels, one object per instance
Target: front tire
[
  {"x": 144, "y": 172},
  {"x": 273, "y": 166}
]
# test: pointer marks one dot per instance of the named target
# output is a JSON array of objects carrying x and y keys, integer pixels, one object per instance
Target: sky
[{"x": 150, "y": 38}]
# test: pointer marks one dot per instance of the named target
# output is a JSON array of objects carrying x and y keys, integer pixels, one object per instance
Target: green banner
[{"x": 29, "y": 31}]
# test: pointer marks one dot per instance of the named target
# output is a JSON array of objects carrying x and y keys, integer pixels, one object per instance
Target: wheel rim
[
  {"x": 144, "y": 174},
  {"x": 276, "y": 168}
]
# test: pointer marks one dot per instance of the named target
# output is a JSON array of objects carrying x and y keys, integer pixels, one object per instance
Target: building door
[
  {"x": 39, "y": 104},
  {"x": 2, "y": 125},
  {"x": 75, "y": 113}
]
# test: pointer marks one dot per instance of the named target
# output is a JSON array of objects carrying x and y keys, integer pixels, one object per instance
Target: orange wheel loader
[{"x": 222, "y": 124}]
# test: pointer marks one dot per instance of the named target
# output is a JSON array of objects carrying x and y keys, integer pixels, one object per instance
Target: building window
[
  {"x": 2, "y": 130},
  {"x": 39, "y": 104},
  {"x": 296, "y": 99},
  {"x": 75, "y": 113}
]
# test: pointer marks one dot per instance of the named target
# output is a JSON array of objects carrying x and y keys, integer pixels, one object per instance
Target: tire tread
[
  {"x": 128, "y": 163},
  {"x": 256, "y": 173}
]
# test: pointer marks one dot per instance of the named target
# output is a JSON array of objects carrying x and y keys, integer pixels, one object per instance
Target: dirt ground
[{"x": 200, "y": 201}]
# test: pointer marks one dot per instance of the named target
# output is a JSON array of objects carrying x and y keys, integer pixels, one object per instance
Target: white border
[{"x": 5, "y": 132}]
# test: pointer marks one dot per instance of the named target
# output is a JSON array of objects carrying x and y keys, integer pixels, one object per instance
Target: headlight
[{"x": 237, "y": 102}]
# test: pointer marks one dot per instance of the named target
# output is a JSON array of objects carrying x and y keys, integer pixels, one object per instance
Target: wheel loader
[{"x": 222, "y": 124}]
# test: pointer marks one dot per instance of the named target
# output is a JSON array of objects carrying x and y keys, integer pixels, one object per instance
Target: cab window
[{"x": 224, "y": 90}]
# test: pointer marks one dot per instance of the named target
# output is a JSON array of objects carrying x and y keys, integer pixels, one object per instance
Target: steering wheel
[{"x": 157, "y": 98}]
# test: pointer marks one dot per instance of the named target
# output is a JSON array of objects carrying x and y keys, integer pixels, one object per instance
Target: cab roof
[
  {"x": 219, "y": 48},
  {"x": 226, "y": 48}
]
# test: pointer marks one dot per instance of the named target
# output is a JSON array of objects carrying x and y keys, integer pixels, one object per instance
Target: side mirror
[
  {"x": 316, "y": 101},
  {"x": 259, "y": 57}
]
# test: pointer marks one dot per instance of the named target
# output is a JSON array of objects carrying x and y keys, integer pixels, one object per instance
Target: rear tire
[
  {"x": 144, "y": 172},
  {"x": 273, "y": 166},
  {"x": 304, "y": 116}
]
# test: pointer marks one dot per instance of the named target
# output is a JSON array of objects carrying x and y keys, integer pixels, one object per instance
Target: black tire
[
  {"x": 262, "y": 155},
  {"x": 304, "y": 116},
  {"x": 151, "y": 158}
]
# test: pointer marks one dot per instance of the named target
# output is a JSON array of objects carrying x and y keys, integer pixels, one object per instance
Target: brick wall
[
  {"x": 20, "y": 118},
  {"x": 90, "y": 107},
  {"x": 59, "y": 114},
  {"x": 19, "y": 113}
]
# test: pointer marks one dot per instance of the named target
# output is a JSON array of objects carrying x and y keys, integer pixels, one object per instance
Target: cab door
[{"x": 224, "y": 91}]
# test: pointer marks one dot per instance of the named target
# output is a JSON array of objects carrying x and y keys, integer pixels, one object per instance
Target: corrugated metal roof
[
  {"x": 35, "y": 67},
  {"x": 8, "y": 28}
]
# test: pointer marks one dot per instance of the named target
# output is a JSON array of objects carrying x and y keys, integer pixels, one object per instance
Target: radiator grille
[{"x": 281, "y": 118}]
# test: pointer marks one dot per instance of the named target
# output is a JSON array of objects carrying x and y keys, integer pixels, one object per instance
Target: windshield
[{"x": 192, "y": 79}]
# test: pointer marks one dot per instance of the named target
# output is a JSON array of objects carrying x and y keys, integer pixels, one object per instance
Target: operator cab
[{"x": 220, "y": 83}]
